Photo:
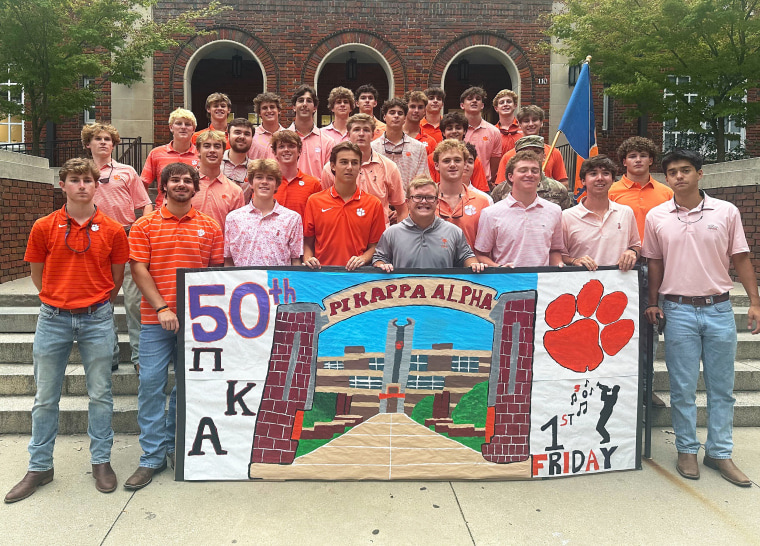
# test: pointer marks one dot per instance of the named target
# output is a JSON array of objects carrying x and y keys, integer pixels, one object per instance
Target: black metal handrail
[
  {"x": 130, "y": 150},
  {"x": 569, "y": 158}
]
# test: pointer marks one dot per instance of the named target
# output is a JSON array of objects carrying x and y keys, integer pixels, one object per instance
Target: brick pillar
[
  {"x": 290, "y": 382},
  {"x": 511, "y": 377}
]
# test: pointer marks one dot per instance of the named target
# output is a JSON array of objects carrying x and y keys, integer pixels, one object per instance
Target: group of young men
[{"x": 409, "y": 192}]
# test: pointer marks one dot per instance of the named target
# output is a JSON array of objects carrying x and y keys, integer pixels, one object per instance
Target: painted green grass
[
  {"x": 423, "y": 410},
  {"x": 322, "y": 409},
  {"x": 472, "y": 408}
]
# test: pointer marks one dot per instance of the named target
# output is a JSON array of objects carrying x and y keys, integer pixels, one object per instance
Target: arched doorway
[
  {"x": 482, "y": 66},
  {"x": 352, "y": 65},
  {"x": 227, "y": 67}
]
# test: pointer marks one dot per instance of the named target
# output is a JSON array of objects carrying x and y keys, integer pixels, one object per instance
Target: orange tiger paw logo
[{"x": 579, "y": 346}]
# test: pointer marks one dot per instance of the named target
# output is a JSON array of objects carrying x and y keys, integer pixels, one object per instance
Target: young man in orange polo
[
  {"x": 417, "y": 102},
  {"x": 77, "y": 257},
  {"x": 218, "y": 108},
  {"x": 505, "y": 104},
  {"x": 120, "y": 194},
  {"x": 296, "y": 186},
  {"x": 454, "y": 125},
  {"x": 182, "y": 123},
  {"x": 433, "y": 113},
  {"x": 378, "y": 176},
  {"x": 174, "y": 236},
  {"x": 218, "y": 195},
  {"x": 456, "y": 203},
  {"x": 342, "y": 224},
  {"x": 531, "y": 119}
]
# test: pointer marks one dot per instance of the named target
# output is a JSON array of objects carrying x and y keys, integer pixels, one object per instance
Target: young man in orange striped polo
[
  {"x": 176, "y": 235},
  {"x": 120, "y": 194},
  {"x": 77, "y": 257}
]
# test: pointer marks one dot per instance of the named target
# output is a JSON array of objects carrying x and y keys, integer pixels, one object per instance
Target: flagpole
[{"x": 551, "y": 149}]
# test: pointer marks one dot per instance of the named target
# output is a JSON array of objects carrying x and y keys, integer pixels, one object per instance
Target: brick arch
[
  {"x": 367, "y": 38},
  {"x": 262, "y": 54},
  {"x": 489, "y": 39}
]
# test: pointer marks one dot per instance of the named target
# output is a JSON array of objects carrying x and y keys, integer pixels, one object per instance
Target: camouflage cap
[{"x": 532, "y": 141}]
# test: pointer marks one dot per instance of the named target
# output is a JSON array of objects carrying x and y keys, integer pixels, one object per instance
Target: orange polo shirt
[
  {"x": 293, "y": 194},
  {"x": 555, "y": 167},
  {"x": 433, "y": 131},
  {"x": 379, "y": 129},
  {"x": 640, "y": 198},
  {"x": 70, "y": 279},
  {"x": 466, "y": 214},
  {"x": 342, "y": 229},
  {"x": 218, "y": 198},
  {"x": 160, "y": 157},
  {"x": 167, "y": 243},
  {"x": 429, "y": 142},
  {"x": 478, "y": 177},
  {"x": 509, "y": 136}
]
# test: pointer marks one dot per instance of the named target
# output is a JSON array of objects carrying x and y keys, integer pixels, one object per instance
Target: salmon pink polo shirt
[{"x": 695, "y": 245}]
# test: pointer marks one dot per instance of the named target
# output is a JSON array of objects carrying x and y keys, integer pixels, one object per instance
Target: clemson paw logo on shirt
[
  {"x": 201, "y": 233},
  {"x": 576, "y": 345},
  {"x": 469, "y": 210},
  {"x": 360, "y": 212}
]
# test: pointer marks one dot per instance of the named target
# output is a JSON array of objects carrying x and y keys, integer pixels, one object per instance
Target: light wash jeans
[
  {"x": 53, "y": 340},
  {"x": 132, "y": 298},
  {"x": 158, "y": 347},
  {"x": 707, "y": 333}
]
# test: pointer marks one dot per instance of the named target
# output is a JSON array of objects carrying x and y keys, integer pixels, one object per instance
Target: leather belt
[
  {"x": 83, "y": 310},
  {"x": 698, "y": 301}
]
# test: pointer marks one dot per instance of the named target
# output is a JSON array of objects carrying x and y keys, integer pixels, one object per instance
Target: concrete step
[
  {"x": 23, "y": 320},
  {"x": 748, "y": 347},
  {"x": 17, "y": 348},
  {"x": 746, "y": 410},
  {"x": 16, "y": 414},
  {"x": 18, "y": 380},
  {"x": 746, "y": 376}
]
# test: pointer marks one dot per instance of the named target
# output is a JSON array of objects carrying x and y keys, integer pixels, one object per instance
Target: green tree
[
  {"x": 49, "y": 46},
  {"x": 705, "y": 53}
]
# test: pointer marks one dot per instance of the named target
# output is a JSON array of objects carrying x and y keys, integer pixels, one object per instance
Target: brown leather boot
[
  {"x": 687, "y": 466},
  {"x": 105, "y": 477},
  {"x": 728, "y": 470},
  {"x": 142, "y": 477},
  {"x": 27, "y": 486}
]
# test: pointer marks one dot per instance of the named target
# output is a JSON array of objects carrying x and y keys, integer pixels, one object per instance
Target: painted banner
[{"x": 288, "y": 373}]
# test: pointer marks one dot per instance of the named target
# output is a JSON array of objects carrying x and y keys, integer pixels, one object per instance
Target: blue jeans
[
  {"x": 53, "y": 340},
  {"x": 707, "y": 333},
  {"x": 158, "y": 347}
]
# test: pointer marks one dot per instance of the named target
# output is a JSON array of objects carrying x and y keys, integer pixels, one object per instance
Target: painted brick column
[
  {"x": 290, "y": 382},
  {"x": 511, "y": 376}
]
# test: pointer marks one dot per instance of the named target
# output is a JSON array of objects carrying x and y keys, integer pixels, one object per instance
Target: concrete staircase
[{"x": 19, "y": 306}]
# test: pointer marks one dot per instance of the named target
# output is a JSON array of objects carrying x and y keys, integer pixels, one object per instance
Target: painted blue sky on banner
[{"x": 433, "y": 324}]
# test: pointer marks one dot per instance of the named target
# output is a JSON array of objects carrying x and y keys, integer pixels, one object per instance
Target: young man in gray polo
[{"x": 423, "y": 240}]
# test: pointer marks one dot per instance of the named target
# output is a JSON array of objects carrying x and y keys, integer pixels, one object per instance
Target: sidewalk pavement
[{"x": 654, "y": 505}]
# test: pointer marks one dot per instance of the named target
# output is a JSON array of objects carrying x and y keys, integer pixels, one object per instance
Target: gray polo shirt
[{"x": 441, "y": 245}]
